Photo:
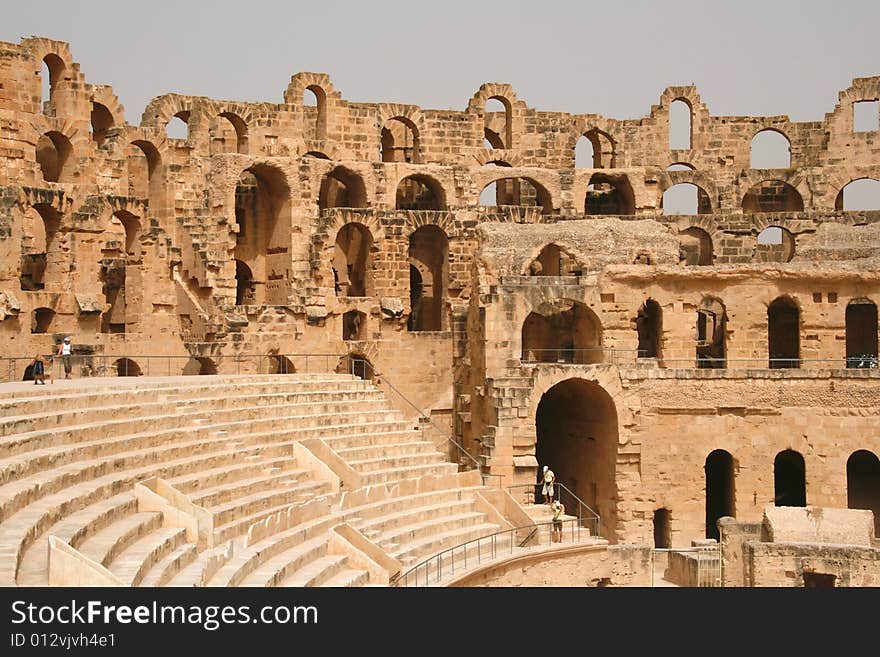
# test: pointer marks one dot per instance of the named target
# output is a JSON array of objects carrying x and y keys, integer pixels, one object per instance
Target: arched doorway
[
  {"x": 861, "y": 333},
  {"x": 662, "y": 532},
  {"x": 789, "y": 479},
  {"x": 428, "y": 258},
  {"x": 352, "y": 261},
  {"x": 562, "y": 332},
  {"x": 863, "y": 484},
  {"x": 720, "y": 490},
  {"x": 576, "y": 429},
  {"x": 649, "y": 325}
]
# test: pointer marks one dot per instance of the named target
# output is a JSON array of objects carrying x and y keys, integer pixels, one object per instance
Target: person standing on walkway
[
  {"x": 549, "y": 484},
  {"x": 64, "y": 351},
  {"x": 558, "y": 510}
]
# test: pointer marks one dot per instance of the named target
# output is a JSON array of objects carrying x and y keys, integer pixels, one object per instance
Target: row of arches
[
  {"x": 789, "y": 485},
  {"x": 567, "y": 331}
]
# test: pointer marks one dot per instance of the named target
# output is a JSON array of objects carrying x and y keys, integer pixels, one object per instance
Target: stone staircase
[{"x": 231, "y": 447}]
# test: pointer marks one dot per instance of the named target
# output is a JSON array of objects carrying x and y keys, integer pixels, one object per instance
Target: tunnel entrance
[
  {"x": 790, "y": 479},
  {"x": 720, "y": 490},
  {"x": 576, "y": 425}
]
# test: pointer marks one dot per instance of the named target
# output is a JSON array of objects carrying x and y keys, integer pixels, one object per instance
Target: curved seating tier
[{"x": 237, "y": 450}]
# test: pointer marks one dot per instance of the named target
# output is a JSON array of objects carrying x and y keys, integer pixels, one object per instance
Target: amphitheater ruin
[{"x": 401, "y": 314}]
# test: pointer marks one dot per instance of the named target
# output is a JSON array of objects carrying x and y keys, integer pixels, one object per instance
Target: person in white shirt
[{"x": 64, "y": 352}]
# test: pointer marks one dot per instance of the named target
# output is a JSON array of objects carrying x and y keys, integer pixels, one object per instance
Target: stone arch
[
  {"x": 783, "y": 333},
  {"x": 228, "y": 133},
  {"x": 774, "y": 244},
  {"x": 707, "y": 191},
  {"x": 43, "y": 260},
  {"x": 695, "y": 246},
  {"x": 263, "y": 231},
  {"x": 356, "y": 364},
  {"x": 506, "y": 95},
  {"x": 604, "y": 144},
  {"x": 513, "y": 191},
  {"x": 502, "y": 158},
  {"x": 553, "y": 259},
  {"x": 316, "y": 123},
  {"x": 42, "y": 320},
  {"x": 711, "y": 337},
  {"x": 58, "y": 63},
  {"x": 102, "y": 121},
  {"x": 649, "y": 326},
  {"x": 772, "y": 196},
  {"x": 679, "y": 142},
  {"x": 400, "y": 128},
  {"x": 778, "y": 147},
  {"x": 126, "y": 367},
  {"x": 342, "y": 188},
  {"x": 609, "y": 194},
  {"x": 199, "y": 365},
  {"x": 789, "y": 479},
  {"x": 720, "y": 477},
  {"x": 53, "y": 152},
  {"x": 353, "y": 260},
  {"x": 420, "y": 192},
  {"x": 577, "y": 436},
  {"x": 429, "y": 278},
  {"x": 146, "y": 172},
  {"x": 861, "y": 333},
  {"x": 562, "y": 331},
  {"x": 863, "y": 483},
  {"x": 871, "y": 192}
]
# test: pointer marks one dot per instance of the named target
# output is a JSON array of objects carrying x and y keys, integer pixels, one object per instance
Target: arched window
[
  {"x": 41, "y": 254},
  {"x": 420, "y": 193},
  {"x": 774, "y": 244},
  {"x": 773, "y": 196},
  {"x": 400, "y": 141},
  {"x": 609, "y": 195},
  {"x": 711, "y": 334},
  {"x": 245, "y": 289},
  {"x": 113, "y": 273},
  {"x": 649, "y": 326},
  {"x": 126, "y": 367},
  {"x": 861, "y": 334},
  {"x": 352, "y": 261},
  {"x": 428, "y": 259},
  {"x": 685, "y": 199},
  {"x": 178, "y": 125},
  {"x": 342, "y": 188},
  {"x": 554, "y": 261},
  {"x": 53, "y": 156},
  {"x": 585, "y": 153},
  {"x": 770, "y": 149},
  {"x": 145, "y": 172},
  {"x": 102, "y": 121},
  {"x": 866, "y": 115},
  {"x": 354, "y": 326},
  {"x": 695, "y": 247},
  {"x": 523, "y": 192},
  {"x": 228, "y": 134},
  {"x": 314, "y": 113},
  {"x": 662, "y": 532},
  {"x": 861, "y": 194},
  {"x": 496, "y": 122},
  {"x": 783, "y": 330},
  {"x": 51, "y": 74},
  {"x": 680, "y": 125}
]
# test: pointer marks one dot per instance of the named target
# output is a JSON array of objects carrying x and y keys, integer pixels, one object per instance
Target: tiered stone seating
[{"x": 71, "y": 455}]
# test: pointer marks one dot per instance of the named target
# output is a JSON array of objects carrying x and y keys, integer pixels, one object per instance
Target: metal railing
[
  {"x": 365, "y": 369},
  {"x": 586, "y": 517},
  {"x": 585, "y": 356},
  {"x": 475, "y": 552},
  {"x": 698, "y": 566},
  {"x": 104, "y": 365},
  {"x": 867, "y": 361}
]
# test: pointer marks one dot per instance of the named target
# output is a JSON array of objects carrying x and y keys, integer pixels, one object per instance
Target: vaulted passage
[
  {"x": 649, "y": 325},
  {"x": 609, "y": 195},
  {"x": 576, "y": 426},
  {"x": 41, "y": 255},
  {"x": 342, "y": 188},
  {"x": 695, "y": 247},
  {"x": 428, "y": 258},
  {"x": 863, "y": 484},
  {"x": 711, "y": 334},
  {"x": 352, "y": 261},
  {"x": 789, "y": 479},
  {"x": 554, "y": 261},
  {"x": 520, "y": 192},
  {"x": 569, "y": 332},
  {"x": 662, "y": 530},
  {"x": 419, "y": 193},
  {"x": 720, "y": 490},
  {"x": 118, "y": 247},
  {"x": 773, "y": 196},
  {"x": 262, "y": 212},
  {"x": 783, "y": 329}
]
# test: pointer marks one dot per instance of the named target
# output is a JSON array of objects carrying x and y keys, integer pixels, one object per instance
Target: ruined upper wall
[{"x": 345, "y": 130}]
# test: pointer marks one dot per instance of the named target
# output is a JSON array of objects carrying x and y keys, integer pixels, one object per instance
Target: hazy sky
[{"x": 610, "y": 57}]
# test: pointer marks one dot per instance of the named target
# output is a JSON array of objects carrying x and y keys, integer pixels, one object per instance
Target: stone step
[
  {"x": 348, "y": 578},
  {"x": 400, "y": 462},
  {"x": 353, "y": 454},
  {"x": 136, "y": 560},
  {"x": 417, "y": 513},
  {"x": 415, "y": 551},
  {"x": 424, "y": 529},
  {"x": 316, "y": 572},
  {"x": 170, "y": 565},
  {"x": 411, "y": 472},
  {"x": 274, "y": 570},
  {"x": 278, "y": 477},
  {"x": 103, "y": 546},
  {"x": 262, "y": 500}
]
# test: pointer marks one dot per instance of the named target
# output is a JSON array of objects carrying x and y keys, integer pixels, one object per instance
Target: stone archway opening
[
  {"x": 720, "y": 490},
  {"x": 566, "y": 332},
  {"x": 789, "y": 479},
  {"x": 576, "y": 430},
  {"x": 662, "y": 531},
  {"x": 863, "y": 484}
]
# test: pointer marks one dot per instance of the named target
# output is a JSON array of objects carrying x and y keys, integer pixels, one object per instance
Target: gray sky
[{"x": 610, "y": 57}]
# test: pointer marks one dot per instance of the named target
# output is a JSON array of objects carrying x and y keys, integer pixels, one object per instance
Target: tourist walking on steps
[
  {"x": 64, "y": 352},
  {"x": 558, "y": 510},
  {"x": 549, "y": 484}
]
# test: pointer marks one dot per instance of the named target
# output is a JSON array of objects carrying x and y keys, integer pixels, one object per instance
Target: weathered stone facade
[{"x": 344, "y": 227}]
